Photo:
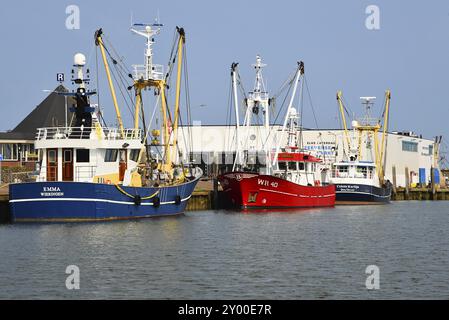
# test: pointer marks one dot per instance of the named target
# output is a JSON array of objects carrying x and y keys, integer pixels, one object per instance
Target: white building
[{"x": 215, "y": 144}]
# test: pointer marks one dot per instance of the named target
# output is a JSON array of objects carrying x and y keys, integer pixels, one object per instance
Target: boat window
[
  {"x": 9, "y": 151},
  {"x": 134, "y": 155},
  {"x": 82, "y": 155},
  {"x": 67, "y": 155},
  {"x": 111, "y": 155},
  {"x": 282, "y": 165},
  {"x": 361, "y": 172},
  {"x": 301, "y": 166},
  {"x": 122, "y": 155},
  {"x": 340, "y": 172},
  {"x": 292, "y": 165},
  {"x": 343, "y": 169},
  {"x": 52, "y": 156}
]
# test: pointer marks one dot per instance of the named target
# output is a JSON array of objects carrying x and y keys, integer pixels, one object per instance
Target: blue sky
[{"x": 409, "y": 54}]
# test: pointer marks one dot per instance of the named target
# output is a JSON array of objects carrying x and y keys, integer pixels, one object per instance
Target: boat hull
[
  {"x": 362, "y": 194},
  {"x": 75, "y": 201},
  {"x": 255, "y": 191}
]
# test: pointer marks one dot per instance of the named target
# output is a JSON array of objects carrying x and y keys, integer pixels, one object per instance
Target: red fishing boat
[
  {"x": 291, "y": 177},
  {"x": 285, "y": 188}
]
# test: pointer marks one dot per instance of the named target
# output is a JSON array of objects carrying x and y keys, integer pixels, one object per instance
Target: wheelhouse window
[
  {"x": 301, "y": 166},
  {"x": 82, "y": 155},
  {"x": 361, "y": 172},
  {"x": 67, "y": 156},
  {"x": 341, "y": 171},
  {"x": 111, "y": 155},
  {"x": 51, "y": 156},
  {"x": 282, "y": 165},
  {"x": 292, "y": 165},
  {"x": 134, "y": 155},
  {"x": 370, "y": 172}
]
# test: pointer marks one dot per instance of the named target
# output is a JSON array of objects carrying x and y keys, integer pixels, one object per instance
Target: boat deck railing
[
  {"x": 84, "y": 172},
  {"x": 357, "y": 175},
  {"x": 258, "y": 95},
  {"x": 97, "y": 133},
  {"x": 141, "y": 72}
]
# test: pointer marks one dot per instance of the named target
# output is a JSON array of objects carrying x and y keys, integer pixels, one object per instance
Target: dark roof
[{"x": 49, "y": 113}]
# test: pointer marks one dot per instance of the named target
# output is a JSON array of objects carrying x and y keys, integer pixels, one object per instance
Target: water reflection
[{"x": 299, "y": 254}]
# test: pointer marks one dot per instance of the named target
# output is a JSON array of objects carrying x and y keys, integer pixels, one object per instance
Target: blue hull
[
  {"x": 360, "y": 193},
  {"x": 75, "y": 201}
]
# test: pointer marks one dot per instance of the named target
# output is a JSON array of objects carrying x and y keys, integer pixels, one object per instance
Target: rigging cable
[{"x": 314, "y": 116}]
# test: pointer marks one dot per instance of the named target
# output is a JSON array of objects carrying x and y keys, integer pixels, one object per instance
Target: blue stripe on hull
[
  {"x": 362, "y": 193},
  {"x": 72, "y": 201}
]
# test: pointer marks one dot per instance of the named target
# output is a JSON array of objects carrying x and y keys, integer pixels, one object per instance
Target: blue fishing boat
[
  {"x": 360, "y": 181},
  {"x": 91, "y": 172}
]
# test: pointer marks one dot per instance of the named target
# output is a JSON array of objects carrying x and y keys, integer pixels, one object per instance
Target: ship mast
[
  {"x": 150, "y": 75},
  {"x": 258, "y": 98},
  {"x": 238, "y": 157},
  {"x": 372, "y": 126},
  {"x": 291, "y": 112}
]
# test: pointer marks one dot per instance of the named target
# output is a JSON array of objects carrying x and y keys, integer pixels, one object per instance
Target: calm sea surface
[{"x": 308, "y": 254}]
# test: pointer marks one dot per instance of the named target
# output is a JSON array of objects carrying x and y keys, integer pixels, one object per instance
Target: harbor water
[{"x": 306, "y": 254}]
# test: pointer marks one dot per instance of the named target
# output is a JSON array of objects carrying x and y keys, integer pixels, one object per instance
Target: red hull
[{"x": 253, "y": 190}]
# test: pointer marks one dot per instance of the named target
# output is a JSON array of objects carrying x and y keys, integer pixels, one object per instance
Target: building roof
[{"x": 49, "y": 113}]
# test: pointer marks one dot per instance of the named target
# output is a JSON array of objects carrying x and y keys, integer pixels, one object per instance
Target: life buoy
[{"x": 108, "y": 181}]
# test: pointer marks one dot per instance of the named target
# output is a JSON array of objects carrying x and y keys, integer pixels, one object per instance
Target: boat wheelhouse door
[
  {"x": 67, "y": 164},
  {"x": 52, "y": 164},
  {"x": 123, "y": 164}
]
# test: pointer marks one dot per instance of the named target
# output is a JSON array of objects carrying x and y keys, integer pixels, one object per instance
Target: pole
[
  {"x": 237, "y": 120},
  {"x": 111, "y": 86},
  {"x": 407, "y": 184},
  {"x": 394, "y": 179},
  {"x": 178, "y": 88},
  {"x": 138, "y": 107},
  {"x": 298, "y": 74},
  {"x": 65, "y": 101},
  {"x": 342, "y": 112},
  {"x": 384, "y": 133},
  {"x": 167, "y": 161},
  {"x": 432, "y": 181}
]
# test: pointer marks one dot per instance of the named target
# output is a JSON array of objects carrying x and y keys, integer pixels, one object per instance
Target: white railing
[
  {"x": 258, "y": 95},
  {"x": 357, "y": 175},
  {"x": 368, "y": 121},
  {"x": 83, "y": 173},
  {"x": 156, "y": 73},
  {"x": 57, "y": 133}
]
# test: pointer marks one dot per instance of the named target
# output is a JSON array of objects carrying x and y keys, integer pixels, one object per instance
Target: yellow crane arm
[
  {"x": 181, "y": 42},
  {"x": 343, "y": 118},
  {"x": 384, "y": 134},
  {"x": 99, "y": 42},
  {"x": 138, "y": 107}
]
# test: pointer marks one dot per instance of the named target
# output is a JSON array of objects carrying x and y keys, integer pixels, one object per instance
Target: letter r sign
[{"x": 60, "y": 77}]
